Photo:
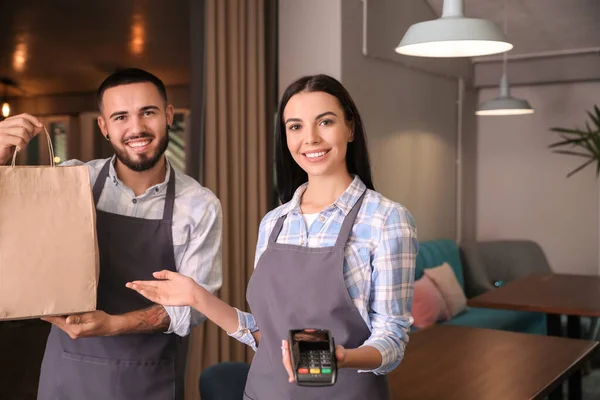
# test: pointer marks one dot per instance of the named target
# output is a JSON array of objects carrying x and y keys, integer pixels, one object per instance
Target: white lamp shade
[
  {"x": 453, "y": 35},
  {"x": 505, "y": 106}
]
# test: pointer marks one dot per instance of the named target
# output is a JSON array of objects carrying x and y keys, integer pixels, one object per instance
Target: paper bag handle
[{"x": 50, "y": 151}]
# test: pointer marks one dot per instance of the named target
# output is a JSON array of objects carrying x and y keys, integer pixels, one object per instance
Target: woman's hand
[
  {"x": 173, "y": 289},
  {"x": 340, "y": 355}
]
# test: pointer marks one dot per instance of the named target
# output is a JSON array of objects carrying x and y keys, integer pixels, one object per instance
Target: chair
[
  {"x": 224, "y": 381},
  {"x": 491, "y": 264}
]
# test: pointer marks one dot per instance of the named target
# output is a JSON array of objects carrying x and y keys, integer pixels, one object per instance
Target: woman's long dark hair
[{"x": 289, "y": 174}]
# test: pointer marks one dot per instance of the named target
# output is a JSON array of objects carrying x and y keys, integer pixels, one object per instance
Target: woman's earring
[{"x": 107, "y": 138}]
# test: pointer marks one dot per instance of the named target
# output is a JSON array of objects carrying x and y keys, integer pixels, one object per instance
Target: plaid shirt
[
  {"x": 379, "y": 263},
  {"x": 197, "y": 226}
]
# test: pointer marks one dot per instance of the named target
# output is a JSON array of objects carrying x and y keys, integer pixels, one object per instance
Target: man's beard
[{"x": 144, "y": 162}]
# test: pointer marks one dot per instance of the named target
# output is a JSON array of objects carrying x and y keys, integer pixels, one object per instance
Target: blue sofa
[{"x": 435, "y": 253}]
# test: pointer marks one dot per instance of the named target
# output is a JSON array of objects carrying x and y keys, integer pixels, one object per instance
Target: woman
[{"x": 336, "y": 255}]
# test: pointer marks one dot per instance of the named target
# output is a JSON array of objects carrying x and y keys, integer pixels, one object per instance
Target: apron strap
[
  {"x": 344, "y": 234},
  {"x": 345, "y": 231},
  {"x": 277, "y": 229},
  {"x": 100, "y": 181},
  {"x": 170, "y": 198}
]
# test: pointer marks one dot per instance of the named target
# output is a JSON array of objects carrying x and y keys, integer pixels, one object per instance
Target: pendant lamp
[
  {"x": 453, "y": 35},
  {"x": 505, "y": 104}
]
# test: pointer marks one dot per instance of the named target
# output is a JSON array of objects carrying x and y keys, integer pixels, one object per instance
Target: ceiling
[
  {"x": 536, "y": 26},
  {"x": 63, "y": 46}
]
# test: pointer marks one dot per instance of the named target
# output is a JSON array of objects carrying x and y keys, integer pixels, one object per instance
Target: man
[{"x": 148, "y": 218}]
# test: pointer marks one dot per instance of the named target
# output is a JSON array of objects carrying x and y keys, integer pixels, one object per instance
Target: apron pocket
[
  {"x": 89, "y": 378},
  {"x": 99, "y": 378}
]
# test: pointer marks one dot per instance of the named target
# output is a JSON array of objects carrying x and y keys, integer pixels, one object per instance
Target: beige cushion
[{"x": 444, "y": 279}]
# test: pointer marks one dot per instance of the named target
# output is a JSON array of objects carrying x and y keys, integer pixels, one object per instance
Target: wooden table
[
  {"x": 553, "y": 294},
  {"x": 577, "y": 295},
  {"x": 462, "y": 363}
]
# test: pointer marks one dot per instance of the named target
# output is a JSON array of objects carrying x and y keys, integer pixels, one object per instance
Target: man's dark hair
[{"x": 128, "y": 76}]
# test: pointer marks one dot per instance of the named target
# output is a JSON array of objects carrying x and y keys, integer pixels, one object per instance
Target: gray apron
[
  {"x": 126, "y": 367},
  {"x": 296, "y": 287}
]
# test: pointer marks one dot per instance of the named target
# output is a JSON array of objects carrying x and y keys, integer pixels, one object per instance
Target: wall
[
  {"x": 310, "y": 38},
  {"x": 522, "y": 189},
  {"x": 409, "y": 106}
]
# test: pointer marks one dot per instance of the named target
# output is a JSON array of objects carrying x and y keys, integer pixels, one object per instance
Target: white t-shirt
[{"x": 309, "y": 219}]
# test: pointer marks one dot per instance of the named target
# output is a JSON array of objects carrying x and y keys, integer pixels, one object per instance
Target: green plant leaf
[
  {"x": 582, "y": 166},
  {"x": 571, "y": 142},
  {"x": 592, "y": 147},
  {"x": 569, "y": 131},
  {"x": 597, "y": 111},
  {"x": 595, "y": 116},
  {"x": 581, "y": 143},
  {"x": 573, "y": 153},
  {"x": 595, "y": 140}
]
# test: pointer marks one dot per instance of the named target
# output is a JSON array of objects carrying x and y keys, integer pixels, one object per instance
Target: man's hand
[
  {"x": 16, "y": 132},
  {"x": 98, "y": 323},
  {"x": 95, "y": 323}
]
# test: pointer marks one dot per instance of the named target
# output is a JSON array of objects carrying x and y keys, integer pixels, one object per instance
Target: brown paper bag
[{"x": 49, "y": 256}]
